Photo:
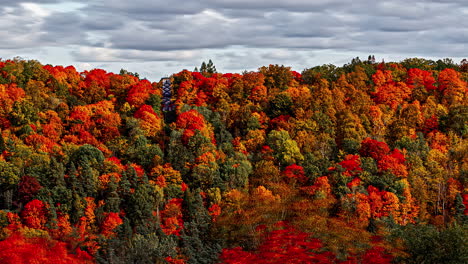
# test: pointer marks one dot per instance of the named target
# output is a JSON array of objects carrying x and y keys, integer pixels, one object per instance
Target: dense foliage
[{"x": 365, "y": 163}]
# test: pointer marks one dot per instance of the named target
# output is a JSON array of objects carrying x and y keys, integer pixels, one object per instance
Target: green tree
[
  {"x": 427, "y": 244},
  {"x": 9, "y": 178},
  {"x": 198, "y": 243},
  {"x": 286, "y": 150},
  {"x": 277, "y": 76},
  {"x": 281, "y": 104}
]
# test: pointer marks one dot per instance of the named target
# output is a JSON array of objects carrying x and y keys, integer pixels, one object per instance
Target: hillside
[{"x": 365, "y": 163}]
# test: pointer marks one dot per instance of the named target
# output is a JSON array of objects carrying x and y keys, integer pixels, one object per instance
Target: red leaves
[
  {"x": 431, "y": 124},
  {"x": 465, "y": 202},
  {"x": 373, "y": 148},
  {"x": 17, "y": 249},
  {"x": 27, "y": 188},
  {"x": 286, "y": 245},
  {"x": 294, "y": 172},
  {"x": 98, "y": 77},
  {"x": 418, "y": 77},
  {"x": 297, "y": 76},
  {"x": 280, "y": 122},
  {"x": 386, "y": 161},
  {"x": 215, "y": 211},
  {"x": 140, "y": 113},
  {"x": 351, "y": 164},
  {"x": 376, "y": 255},
  {"x": 34, "y": 214}
]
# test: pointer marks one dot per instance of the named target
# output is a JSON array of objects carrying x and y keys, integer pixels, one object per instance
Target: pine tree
[
  {"x": 210, "y": 68},
  {"x": 2, "y": 143},
  {"x": 198, "y": 243},
  {"x": 203, "y": 67}
]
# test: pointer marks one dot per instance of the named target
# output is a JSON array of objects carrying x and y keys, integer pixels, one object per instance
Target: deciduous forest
[{"x": 364, "y": 163}]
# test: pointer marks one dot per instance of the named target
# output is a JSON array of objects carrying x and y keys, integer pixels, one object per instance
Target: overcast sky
[{"x": 157, "y": 38}]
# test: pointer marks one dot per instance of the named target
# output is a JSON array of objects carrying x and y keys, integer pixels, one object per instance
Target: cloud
[
  {"x": 240, "y": 34},
  {"x": 97, "y": 54}
]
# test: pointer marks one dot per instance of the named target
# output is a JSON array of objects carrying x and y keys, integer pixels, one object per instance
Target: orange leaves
[
  {"x": 264, "y": 196},
  {"x": 258, "y": 94},
  {"x": 99, "y": 118},
  {"x": 452, "y": 87},
  {"x": 381, "y": 78},
  {"x": 320, "y": 189},
  {"x": 139, "y": 93},
  {"x": 150, "y": 122},
  {"x": 9, "y": 94},
  {"x": 363, "y": 208},
  {"x": 395, "y": 163},
  {"x": 105, "y": 179},
  {"x": 64, "y": 228},
  {"x": 114, "y": 164},
  {"x": 449, "y": 79},
  {"x": 40, "y": 143},
  {"x": 191, "y": 121},
  {"x": 166, "y": 172},
  {"x": 438, "y": 140},
  {"x": 89, "y": 210},
  {"x": 385, "y": 204},
  {"x": 111, "y": 221},
  {"x": 389, "y": 92},
  {"x": 354, "y": 183},
  {"x": 68, "y": 77},
  {"x": 171, "y": 217}
]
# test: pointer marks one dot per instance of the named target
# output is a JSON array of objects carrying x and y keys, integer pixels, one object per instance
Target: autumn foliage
[{"x": 364, "y": 163}]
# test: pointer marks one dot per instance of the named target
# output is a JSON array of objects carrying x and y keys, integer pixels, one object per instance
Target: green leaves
[{"x": 286, "y": 150}]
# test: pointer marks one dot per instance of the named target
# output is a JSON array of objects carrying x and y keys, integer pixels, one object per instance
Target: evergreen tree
[
  {"x": 210, "y": 68},
  {"x": 198, "y": 243},
  {"x": 203, "y": 67},
  {"x": 2, "y": 143}
]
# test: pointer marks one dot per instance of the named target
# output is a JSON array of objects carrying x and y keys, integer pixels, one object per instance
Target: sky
[{"x": 158, "y": 38}]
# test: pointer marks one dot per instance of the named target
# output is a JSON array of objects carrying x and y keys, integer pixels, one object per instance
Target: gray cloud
[{"x": 237, "y": 32}]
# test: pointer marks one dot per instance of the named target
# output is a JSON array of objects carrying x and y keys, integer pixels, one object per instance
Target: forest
[{"x": 358, "y": 164}]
